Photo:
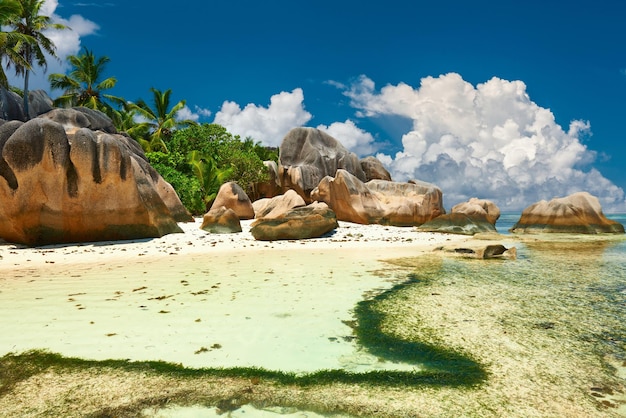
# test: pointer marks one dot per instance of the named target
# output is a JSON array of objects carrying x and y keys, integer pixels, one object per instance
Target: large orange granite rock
[{"x": 62, "y": 183}]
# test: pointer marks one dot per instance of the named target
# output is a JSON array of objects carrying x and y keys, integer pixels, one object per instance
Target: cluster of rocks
[
  {"x": 315, "y": 168},
  {"x": 318, "y": 182},
  {"x": 12, "y": 107},
  {"x": 67, "y": 176}
]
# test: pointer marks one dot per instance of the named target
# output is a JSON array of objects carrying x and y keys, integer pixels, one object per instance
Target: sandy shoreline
[
  {"x": 381, "y": 239},
  {"x": 202, "y": 300}
]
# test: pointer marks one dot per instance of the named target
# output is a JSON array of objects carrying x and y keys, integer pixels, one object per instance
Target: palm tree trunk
[{"x": 26, "y": 110}]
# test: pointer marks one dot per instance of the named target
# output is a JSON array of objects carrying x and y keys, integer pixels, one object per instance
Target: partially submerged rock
[
  {"x": 468, "y": 218},
  {"x": 457, "y": 223},
  {"x": 312, "y": 221},
  {"x": 483, "y": 252},
  {"x": 221, "y": 220},
  {"x": 83, "y": 186},
  {"x": 478, "y": 209},
  {"x": 578, "y": 213}
]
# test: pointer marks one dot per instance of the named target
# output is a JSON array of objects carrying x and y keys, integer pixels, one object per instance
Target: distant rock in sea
[{"x": 578, "y": 213}]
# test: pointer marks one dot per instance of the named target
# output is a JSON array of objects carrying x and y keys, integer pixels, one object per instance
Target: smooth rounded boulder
[
  {"x": 232, "y": 196},
  {"x": 307, "y": 155},
  {"x": 378, "y": 201},
  {"x": 578, "y": 213},
  {"x": 312, "y": 221},
  {"x": 374, "y": 169},
  {"x": 277, "y": 205},
  {"x": 221, "y": 220},
  {"x": 466, "y": 218},
  {"x": 84, "y": 186},
  {"x": 479, "y": 209}
]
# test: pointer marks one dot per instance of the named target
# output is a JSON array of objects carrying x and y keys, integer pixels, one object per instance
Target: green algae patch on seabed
[
  {"x": 550, "y": 327},
  {"x": 529, "y": 337},
  {"x": 15, "y": 370}
]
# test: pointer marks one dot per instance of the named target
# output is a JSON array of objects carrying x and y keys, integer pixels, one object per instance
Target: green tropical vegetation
[
  {"x": 200, "y": 158},
  {"x": 34, "y": 44},
  {"x": 85, "y": 85},
  {"x": 11, "y": 41},
  {"x": 160, "y": 121}
]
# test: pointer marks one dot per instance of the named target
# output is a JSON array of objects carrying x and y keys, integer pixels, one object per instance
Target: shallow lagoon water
[{"x": 550, "y": 327}]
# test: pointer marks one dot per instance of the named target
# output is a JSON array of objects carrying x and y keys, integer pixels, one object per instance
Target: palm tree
[
  {"x": 32, "y": 24},
  {"x": 10, "y": 42},
  {"x": 83, "y": 86},
  {"x": 125, "y": 120},
  {"x": 160, "y": 121}
]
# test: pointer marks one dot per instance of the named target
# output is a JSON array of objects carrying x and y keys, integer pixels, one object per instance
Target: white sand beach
[{"x": 202, "y": 300}]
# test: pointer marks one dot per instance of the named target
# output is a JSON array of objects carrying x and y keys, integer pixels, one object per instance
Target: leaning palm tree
[
  {"x": 11, "y": 42},
  {"x": 32, "y": 24},
  {"x": 83, "y": 85},
  {"x": 159, "y": 120}
]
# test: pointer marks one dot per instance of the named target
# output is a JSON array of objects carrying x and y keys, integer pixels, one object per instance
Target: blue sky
[{"x": 510, "y": 101}]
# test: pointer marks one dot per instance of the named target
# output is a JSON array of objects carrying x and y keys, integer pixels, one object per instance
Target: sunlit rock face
[
  {"x": 232, "y": 196},
  {"x": 277, "y": 205},
  {"x": 379, "y": 201},
  {"x": 578, "y": 213},
  {"x": 480, "y": 209},
  {"x": 312, "y": 221},
  {"x": 64, "y": 182},
  {"x": 307, "y": 155}
]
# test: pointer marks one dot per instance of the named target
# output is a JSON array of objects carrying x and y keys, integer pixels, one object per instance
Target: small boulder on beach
[
  {"x": 312, "y": 221},
  {"x": 221, "y": 220}
]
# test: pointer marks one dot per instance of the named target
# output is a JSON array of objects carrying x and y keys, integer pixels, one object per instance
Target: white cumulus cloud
[
  {"x": 187, "y": 114},
  {"x": 490, "y": 141},
  {"x": 269, "y": 124},
  {"x": 351, "y": 136}
]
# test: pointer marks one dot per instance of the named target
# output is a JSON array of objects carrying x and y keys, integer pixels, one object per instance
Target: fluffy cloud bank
[
  {"x": 489, "y": 141},
  {"x": 266, "y": 124},
  {"x": 286, "y": 111}
]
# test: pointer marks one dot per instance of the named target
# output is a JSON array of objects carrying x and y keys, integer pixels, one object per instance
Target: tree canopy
[
  {"x": 30, "y": 23},
  {"x": 11, "y": 41},
  {"x": 160, "y": 120},
  {"x": 84, "y": 85},
  {"x": 211, "y": 156}
]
